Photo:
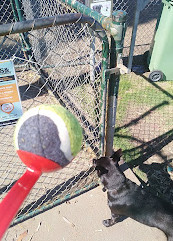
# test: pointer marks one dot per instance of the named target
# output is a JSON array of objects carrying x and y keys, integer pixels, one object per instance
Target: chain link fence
[
  {"x": 53, "y": 66},
  {"x": 144, "y": 130},
  {"x": 62, "y": 64},
  {"x": 145, "y": 30},
  {"x": 146, "y": 26},
  {"x": 29, "y": 9}
]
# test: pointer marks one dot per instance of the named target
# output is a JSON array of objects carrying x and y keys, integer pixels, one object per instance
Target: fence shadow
[
  {"x": 147, "y": 149},
  {"x": 158, "y": 178},
  {"x": 48, "y": 200},
  {"x": 154, "y": 84}
]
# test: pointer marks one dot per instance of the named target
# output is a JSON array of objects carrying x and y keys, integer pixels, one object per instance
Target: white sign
[
  {"x": 102, "y": 7},
  {"x": 10, "y": 103}
]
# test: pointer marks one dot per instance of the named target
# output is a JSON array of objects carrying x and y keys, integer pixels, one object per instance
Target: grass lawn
[{"x": 144, "y": 125}]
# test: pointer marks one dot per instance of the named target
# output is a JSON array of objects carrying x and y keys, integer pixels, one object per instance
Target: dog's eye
[{"x": 101, "y": 170}]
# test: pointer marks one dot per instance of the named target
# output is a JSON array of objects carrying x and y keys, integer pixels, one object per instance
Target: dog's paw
[
  {"x": 108, "y": 222},
  {"x": 104, "y": 189}
]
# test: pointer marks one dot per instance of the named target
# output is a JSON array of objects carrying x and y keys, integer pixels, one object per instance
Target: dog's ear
[{"x": 116, "y": 155}]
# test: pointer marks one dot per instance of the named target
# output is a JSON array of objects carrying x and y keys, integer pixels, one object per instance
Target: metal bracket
[
  {"x": 120, "y": 69},
  {"x": 115, "y": 70}
]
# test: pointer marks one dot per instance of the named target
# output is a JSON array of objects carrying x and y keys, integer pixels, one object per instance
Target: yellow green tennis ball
[{"x": 49, "y": 131}]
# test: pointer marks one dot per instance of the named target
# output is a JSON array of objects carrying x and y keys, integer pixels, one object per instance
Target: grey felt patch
[{"x": 39, "y": 135}]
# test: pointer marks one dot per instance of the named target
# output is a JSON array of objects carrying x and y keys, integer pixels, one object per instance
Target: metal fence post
[
  {"x": 105, "y": 59},
  {"x": 139, "y": 7},
  {"x": 118, "y": 18}
]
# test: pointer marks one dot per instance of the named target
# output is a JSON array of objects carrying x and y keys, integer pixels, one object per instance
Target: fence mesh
[
  {"x": 144, "y": 130},
  {"x": 53, "y": 66},
  {"x": 148, "y": 16},
  {"x": 146, "y": 26}
]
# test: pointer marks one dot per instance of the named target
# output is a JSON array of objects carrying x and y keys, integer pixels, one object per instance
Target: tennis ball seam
[
  {"x": 63, "y": 131},
  {"x": 20, "y": 123},
  {"x": 71, "y": 123}
]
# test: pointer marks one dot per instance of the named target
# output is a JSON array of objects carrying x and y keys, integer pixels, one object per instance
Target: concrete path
[{"x": 80, "y": 219}]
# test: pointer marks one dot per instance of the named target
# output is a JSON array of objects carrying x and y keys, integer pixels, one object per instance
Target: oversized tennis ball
[{"x": 48, "y": 132}]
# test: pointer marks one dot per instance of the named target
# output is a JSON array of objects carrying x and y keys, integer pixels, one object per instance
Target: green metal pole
[
  {"x": 119, "y": 20},
  {"x": 112, "y": 100},
  {"x": 115, "y": 54},
  {"x": 24, "y": 36},
  {"x": 105, "y": 60},
  {"x": 14, "y": 10},
  {"x": 19, "y": 10}
]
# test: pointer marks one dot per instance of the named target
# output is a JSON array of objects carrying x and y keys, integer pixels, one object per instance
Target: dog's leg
[{"x": 112, "y": 221}]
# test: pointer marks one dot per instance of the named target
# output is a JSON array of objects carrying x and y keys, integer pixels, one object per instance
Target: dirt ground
[{"x": 81, "y": 219}]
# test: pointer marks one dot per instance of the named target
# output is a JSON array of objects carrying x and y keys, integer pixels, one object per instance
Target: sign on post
[
  {"x": 10, "y": 103},
  {"x": 101, "y": 6}
]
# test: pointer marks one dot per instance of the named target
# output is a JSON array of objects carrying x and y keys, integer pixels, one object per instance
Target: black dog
[{"x": 125, "y": 198}]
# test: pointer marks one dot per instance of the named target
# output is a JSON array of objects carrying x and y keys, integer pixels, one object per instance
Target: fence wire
[
  {"x": 57, "y": 70},
  {"x": 145, "y": 30},
  {"x": 30, "y": 9},
  {"x": 144, "y": 130}
]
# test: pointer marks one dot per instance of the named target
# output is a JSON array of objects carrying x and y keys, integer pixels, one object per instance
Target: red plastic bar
[{"x": 15, "y": 197}]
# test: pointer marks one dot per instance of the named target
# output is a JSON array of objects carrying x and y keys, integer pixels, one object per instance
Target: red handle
[{"x": 15, "y": 197}]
